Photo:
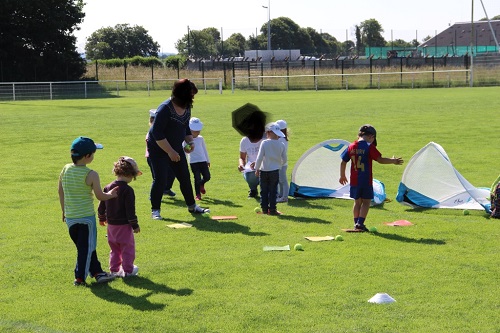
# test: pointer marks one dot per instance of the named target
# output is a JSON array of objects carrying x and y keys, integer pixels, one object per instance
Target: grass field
[{"x": 215, "y": 277}]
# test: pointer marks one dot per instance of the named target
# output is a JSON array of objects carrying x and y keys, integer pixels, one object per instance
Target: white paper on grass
[{"x": 277, "y": 248}]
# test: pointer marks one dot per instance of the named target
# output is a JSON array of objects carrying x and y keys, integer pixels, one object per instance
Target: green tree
[
  {"x": 121, "y": 41},
  {"x": 199, "y": 43},
  {"x": 399, "y": 43},
  {"x": 371, "y": 33},
  {"x": 497, "y": 17},
  {"x": 37, "y": 41},
  {"x": 234, "y": 46},
  {"x": 286, "y": 34}
]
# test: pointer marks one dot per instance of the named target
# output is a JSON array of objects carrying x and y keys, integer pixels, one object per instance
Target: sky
[{"x": 168, "y": 20}]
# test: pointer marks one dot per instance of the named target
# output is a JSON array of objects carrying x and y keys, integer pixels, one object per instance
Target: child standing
[
  {"x": 283, "y": 187},
  {"x": 272, "y": 156},
  {"x": 170, "y": 174},
  {"x": 76, "y": 184},
  {"x": 122, "y": 221},
  {"x": 361, "y": 153},
  {"x": 198, "y": 158}
]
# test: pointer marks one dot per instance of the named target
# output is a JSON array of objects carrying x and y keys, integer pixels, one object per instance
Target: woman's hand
[{"x": 174, "y": 156}]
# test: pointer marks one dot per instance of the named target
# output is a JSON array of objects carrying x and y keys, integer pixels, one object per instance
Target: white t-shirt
[
  {"x": 200, "y": 153},
  {"x": 251, "y": 149},
  {"x": 272, "y": 155}
]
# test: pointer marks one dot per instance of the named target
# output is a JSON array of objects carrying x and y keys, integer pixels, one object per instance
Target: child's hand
[
  {"x": 257, "y": 173},
  {"x": 343, "y": 180},
  {"x": 241, "y": 167},
  {"x": 114, "y": 192},
  {"x": 397, "y": 160},
  {"x": 208, "y": 164},
  {"x": 103, "y": 223},
  {"x": 252, "y": 165},
  {"x": 189, "y": 147},
  {"x": 137, "y": 230}
]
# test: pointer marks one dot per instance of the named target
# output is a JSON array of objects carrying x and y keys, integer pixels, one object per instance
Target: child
[
  {"x": 283, "y": 187},
  {"x": 170, "y": 174},
  {"x": 120, "y": 216},
  {"x": 361, "y": 153},
  {"x": 272, "y": 156},
  {"x": 198, "y": 158},
  {"x": 76, "y": 183}
]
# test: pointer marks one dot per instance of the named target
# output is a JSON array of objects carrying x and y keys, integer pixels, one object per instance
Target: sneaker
[
  {"x": 274, "y": 212},
  {"x": 169, "y": 193},
  {"x": 79, "y": 283},
  {"x": 252, "y": 194},
  {"x": 198, "y": 197},
  {"x": 282, "y": 199},
  {"x": 360, "y": 227},
  {"x": 202, "y": 189},
  {"x": 104, "y": 277},
  {"x": 135, "y": 270},
  {"x": 198, "y": 210},
  {"x": 118, "y": 274},
  {"x": 155, "y": 214}
]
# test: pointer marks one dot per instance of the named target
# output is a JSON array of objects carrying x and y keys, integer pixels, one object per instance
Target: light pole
[{"x": 268, "y": 7}]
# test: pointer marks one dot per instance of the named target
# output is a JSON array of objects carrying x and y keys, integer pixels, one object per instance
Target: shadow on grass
[
  {"x": 308, "y": 203},
  {"x": 302, "y": 219},
  {"x": 141, "y": 303},
  {"x": 213, "y": 201},
  {"x": 225, "y": 227},
  {"x": 427, "y": 241}
]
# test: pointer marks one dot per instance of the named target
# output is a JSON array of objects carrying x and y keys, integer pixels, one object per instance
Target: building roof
[{"x": 459, "y": 34}]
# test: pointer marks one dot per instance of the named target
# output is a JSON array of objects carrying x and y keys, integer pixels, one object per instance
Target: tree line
[{"x": 37, "y": 41}]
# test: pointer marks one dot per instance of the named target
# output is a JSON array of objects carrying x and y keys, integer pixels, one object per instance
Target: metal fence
[{"x": 344, "y": 73}]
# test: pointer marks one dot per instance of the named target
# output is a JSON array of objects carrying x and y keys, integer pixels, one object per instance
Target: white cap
[
  {"x": 273, "y": 127},
  {"x": 152, "y": 113},
  {"x": 195, "y": 124},
  {"x": 281, "y": 123}
]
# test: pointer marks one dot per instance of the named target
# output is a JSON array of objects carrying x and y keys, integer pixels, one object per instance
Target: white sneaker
[
  {"x": 282, "y": 199},
  {"x": 135, "y": 271},
  {"x": 199, "y": 210},
  {"x": 155, "y": 214}
]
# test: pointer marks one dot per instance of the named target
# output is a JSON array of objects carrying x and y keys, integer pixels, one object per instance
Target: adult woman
[{"x": 170, "y": 129}]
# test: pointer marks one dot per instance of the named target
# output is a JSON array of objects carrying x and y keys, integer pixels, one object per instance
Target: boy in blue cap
[{"x": 76, "y": 184}]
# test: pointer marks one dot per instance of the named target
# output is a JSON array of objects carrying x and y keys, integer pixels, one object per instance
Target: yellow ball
[
  {"x": 298, "y": 247},
  {"x": 339, "y": 238}
]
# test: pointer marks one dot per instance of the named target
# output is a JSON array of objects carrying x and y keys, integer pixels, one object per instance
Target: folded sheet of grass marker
[
  {"x": 277, "y": 248},
  {"x": 229, "y": 217},
  {"x": 179, "y": 225},
  {"x": 319, "y": 238},
  {"x": 399, "y": 223}
]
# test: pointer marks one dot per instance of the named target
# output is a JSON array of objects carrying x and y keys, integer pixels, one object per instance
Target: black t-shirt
[{"x": 168, "y": 125}]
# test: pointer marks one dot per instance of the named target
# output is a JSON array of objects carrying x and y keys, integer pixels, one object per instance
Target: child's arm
[
  {"x": 95, "y": 183},
  {"x": 392, "y": 160},
  {"x": 61, "y": 198},
  {"x": 242, "y": 161},
  {"x": 190, "y": 141},
  {"x": 343, "y": 179}
]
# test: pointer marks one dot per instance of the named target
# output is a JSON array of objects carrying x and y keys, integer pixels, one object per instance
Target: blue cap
[{"x": 82, "y": 146}]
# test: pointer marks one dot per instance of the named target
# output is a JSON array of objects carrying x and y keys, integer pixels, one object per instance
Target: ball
[
  {"x": 188, "y": 147},
  {"x": 257, "y": 210},
  {"x": 298, "y": 247},
  {"x": 373, "y": 229},
  {"x": 466, "y": 212},
  {"x": 205, "y": 214},
  {"x": 339, "y": 238}
]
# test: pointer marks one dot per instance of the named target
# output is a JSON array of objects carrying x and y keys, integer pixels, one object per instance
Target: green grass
[{"x": 215, "y": 277}]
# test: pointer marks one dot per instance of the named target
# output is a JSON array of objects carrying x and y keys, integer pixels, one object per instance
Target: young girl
[
  {"x": 122, "y": 221},
  {"x": 283, "y": 186},
  {"x": 361, "y": 153},
  {"x": 198, "y": 158},
  {"x": 271, "y": 157}
]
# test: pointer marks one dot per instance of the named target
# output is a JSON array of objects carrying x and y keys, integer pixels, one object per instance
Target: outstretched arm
[
  {"x": 95, "y": 183},
  {"x": 392, "y": 160}
]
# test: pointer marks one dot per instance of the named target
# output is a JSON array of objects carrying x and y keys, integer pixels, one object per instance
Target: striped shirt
[{"x": 78, "y": 198}]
